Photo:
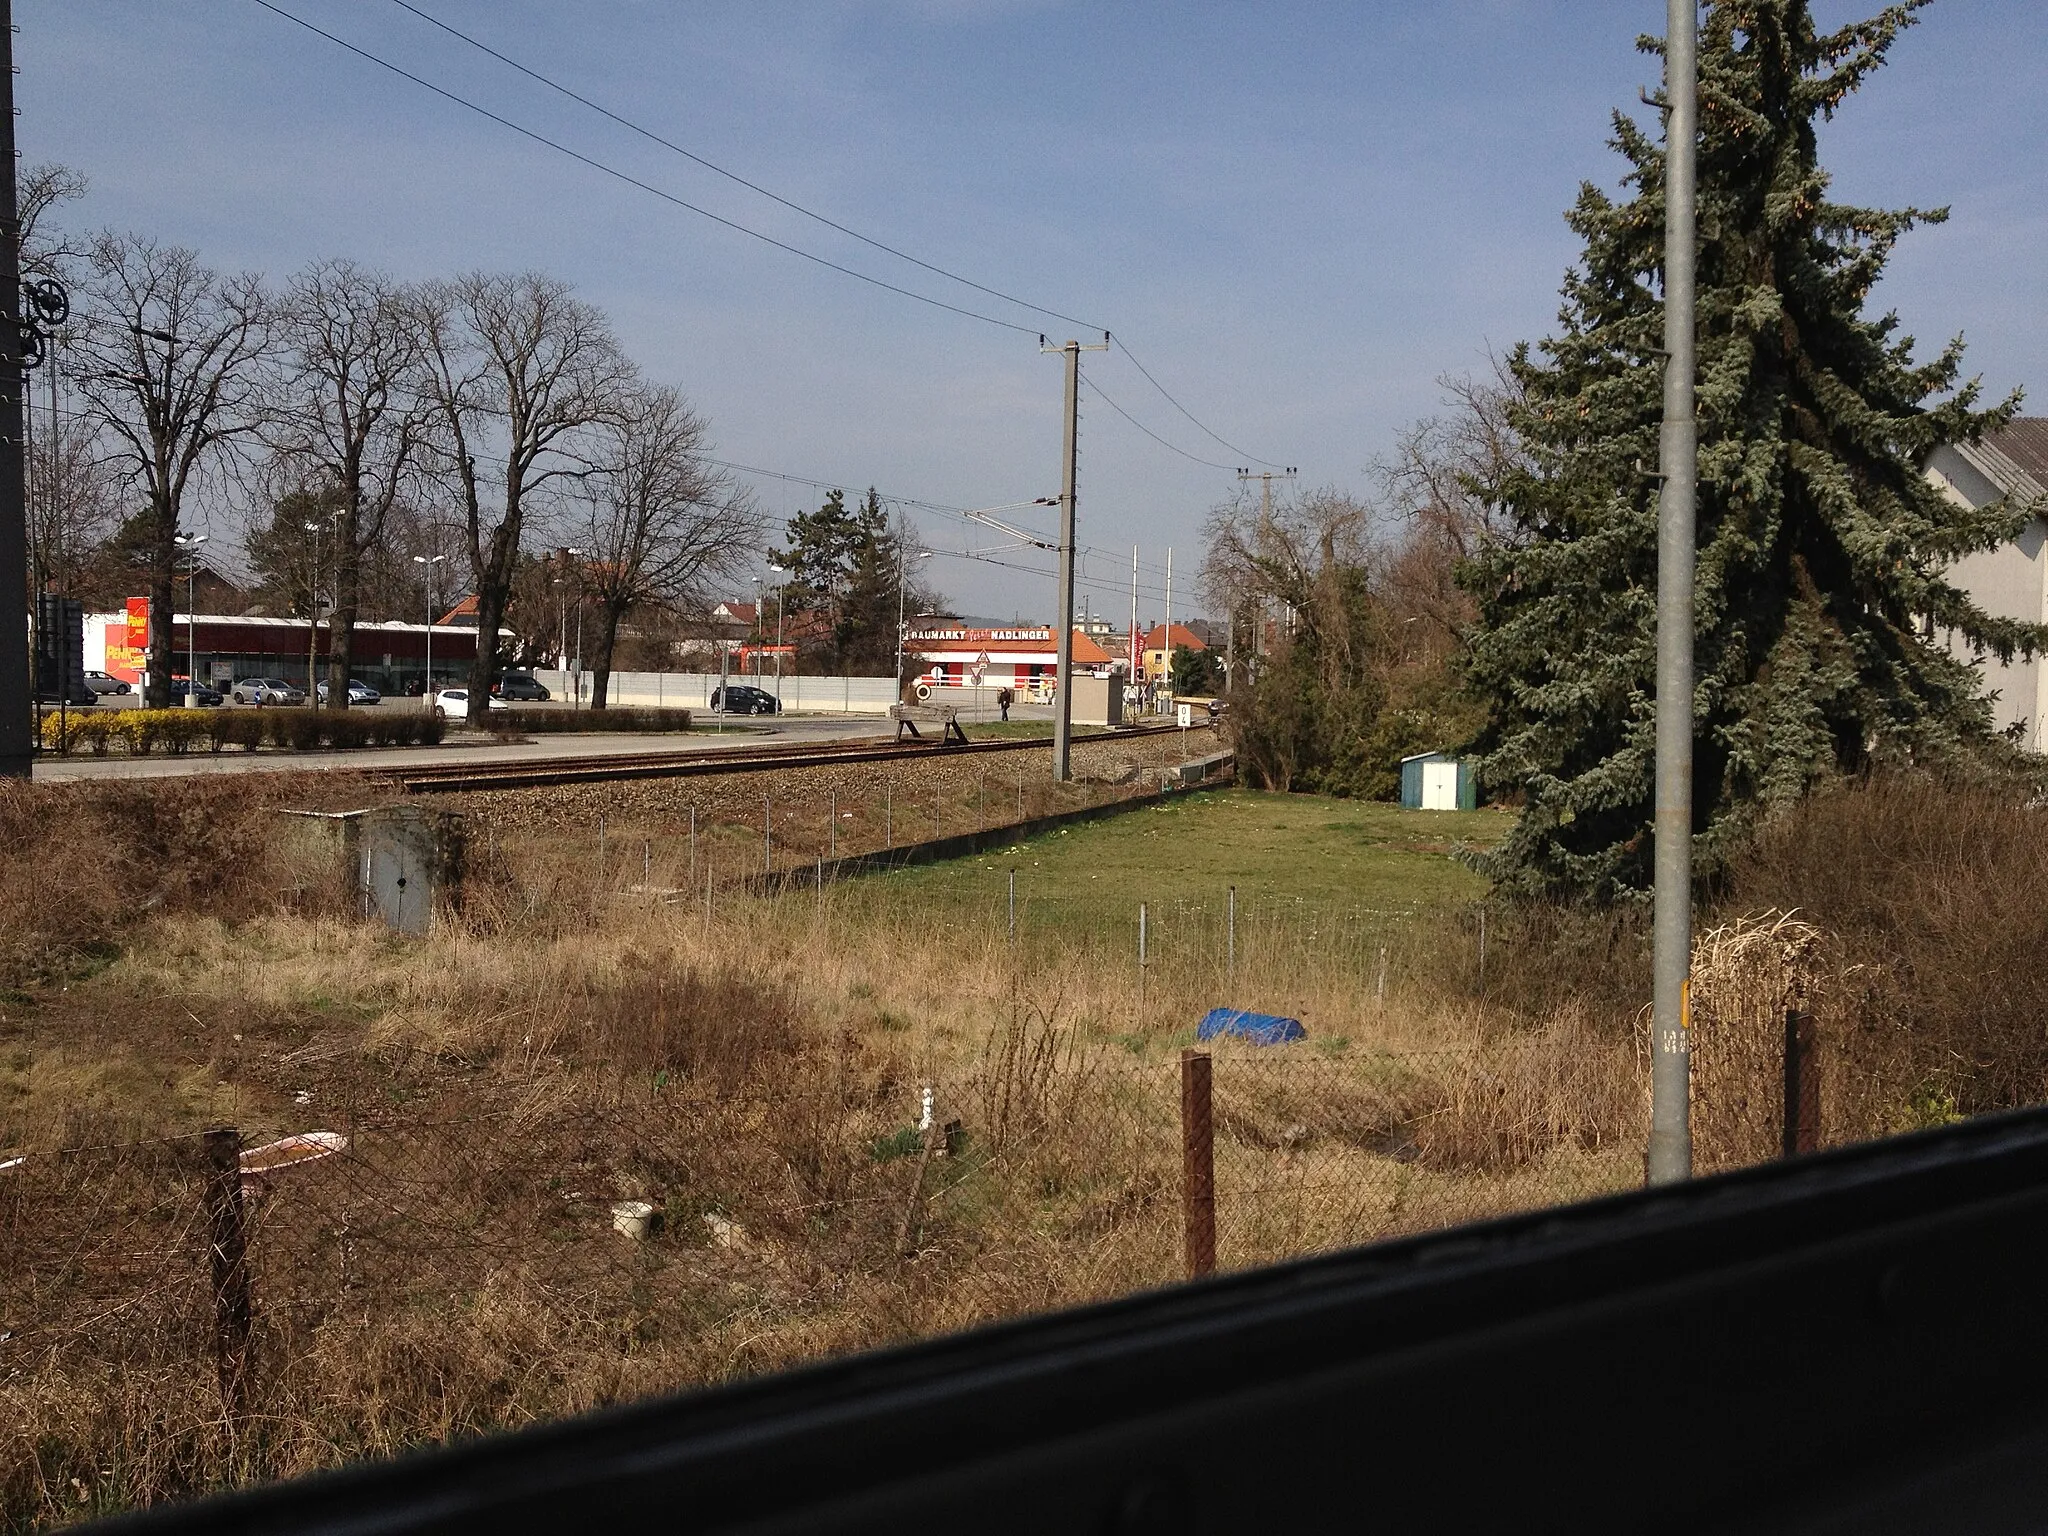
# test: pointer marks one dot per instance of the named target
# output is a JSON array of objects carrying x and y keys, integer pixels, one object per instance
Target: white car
[{"x": 453, "y": 703}]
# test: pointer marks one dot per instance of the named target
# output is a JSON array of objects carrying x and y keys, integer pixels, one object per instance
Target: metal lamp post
[
  {"x": 1670, "y": 1150},
  {"x": 427, "y": 689},
  {"x": 313, "y": 624},
  {"x": 781, "y": 587},
  {"x": 902, "y": 567},
  {"x": 190, "y": 543},
  {"x": 562, "y": 606},
  {"x": 758, "y": 630}
]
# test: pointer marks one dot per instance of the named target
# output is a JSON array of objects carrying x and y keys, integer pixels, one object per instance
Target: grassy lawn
[{"x": 1345, "y": 853}]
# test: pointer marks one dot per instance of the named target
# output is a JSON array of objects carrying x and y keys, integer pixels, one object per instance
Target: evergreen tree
[
  {"x": 865, "y": 637},
  {"x": 845, "y": 566},
  {"x": 819, "y": 555},
  {"x": 1822, "y": 549}
]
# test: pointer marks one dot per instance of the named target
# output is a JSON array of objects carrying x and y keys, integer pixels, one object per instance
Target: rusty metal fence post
[
  {"x": 1802, "y": 1084},
  {"x": 227, "y": 1237},
  {"x": 1198, "y": 1163}
]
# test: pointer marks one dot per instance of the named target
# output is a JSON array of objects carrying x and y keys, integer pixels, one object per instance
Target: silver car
[{"x": 268, "y": 690}]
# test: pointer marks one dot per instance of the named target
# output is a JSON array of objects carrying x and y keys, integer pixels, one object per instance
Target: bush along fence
[
  {"x": 178, "y": 731},
  {"x": 517, "y": 722}
]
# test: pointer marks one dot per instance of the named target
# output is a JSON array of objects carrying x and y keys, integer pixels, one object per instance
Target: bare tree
[
  {"x": 1437, "y": 477},
  {"x": 518, "y": 370},
  {"x": 171, "y": 352},
  {"x": 76, "y": 503},
  {"x": 346, "y": 413},
  {"x": 656, "y": 523},
  {"x": 46, "y": 250}
]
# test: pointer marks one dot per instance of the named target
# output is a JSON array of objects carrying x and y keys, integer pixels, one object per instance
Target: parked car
[
  {"x": 268, "y": 690},
  {"x": 523, "y": 686},
  {"x": 359, "y": 692},
  {"x": 50, "y": 693},
  {"x": 106, "y": 682},
  {"x": 209, "y": 698},
  {"x": 454, "y": 703},
  {"x": 744, "y": 699}
]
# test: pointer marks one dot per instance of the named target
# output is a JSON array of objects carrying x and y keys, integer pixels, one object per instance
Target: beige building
[{"x": 2012, "y": 580}]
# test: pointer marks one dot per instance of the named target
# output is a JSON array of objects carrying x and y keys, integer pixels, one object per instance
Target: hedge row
[
  {"x": 518, "y": 722},
  {"x": 141, "y": 731}
]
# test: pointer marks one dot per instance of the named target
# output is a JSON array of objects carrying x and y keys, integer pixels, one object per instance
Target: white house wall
[{"x": 2008, "y": 582}]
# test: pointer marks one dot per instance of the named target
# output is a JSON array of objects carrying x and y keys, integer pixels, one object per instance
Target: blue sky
[{"x": 1300, "y": 215}]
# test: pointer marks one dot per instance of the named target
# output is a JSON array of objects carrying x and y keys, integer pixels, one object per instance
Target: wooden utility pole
[{"x": 228, "y": 1250}]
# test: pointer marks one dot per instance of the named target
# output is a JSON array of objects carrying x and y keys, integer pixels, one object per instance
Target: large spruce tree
[{"x": 1821, "y": 593}]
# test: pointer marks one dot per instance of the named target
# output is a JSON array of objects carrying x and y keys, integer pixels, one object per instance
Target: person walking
[{"x": 1003, "y": 698}]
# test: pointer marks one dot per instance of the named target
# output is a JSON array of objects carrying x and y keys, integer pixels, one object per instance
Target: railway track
[{"x": 456, "y": 777}]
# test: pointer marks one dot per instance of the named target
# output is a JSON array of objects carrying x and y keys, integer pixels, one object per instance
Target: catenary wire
[
  {"x": 1186, "y": 412},
  {"x": 634, "y": 181},
  {"x": 1162, "y": 442},
  {"x": 733, "y": 176},
  {"x": 762, "y": 191}
]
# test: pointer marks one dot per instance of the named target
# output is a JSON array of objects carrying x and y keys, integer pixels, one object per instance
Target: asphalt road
[{"x": 463, "y": 747}]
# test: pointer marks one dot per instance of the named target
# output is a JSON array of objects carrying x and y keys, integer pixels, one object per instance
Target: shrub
[
  {"x": 1930, "y": 892},
  {"x": 231, "y": 727},
  {"x": 343, "y": 728},
  {"x": 431, "y": 729},
  {"x": 298, "y": 729},
  {"x": 144, "y": 730},
  {"x": 511, "y": 722},
  {"x": 62, "y": 732}
]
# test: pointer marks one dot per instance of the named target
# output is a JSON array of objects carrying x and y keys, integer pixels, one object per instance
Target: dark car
[
  {"x": 82, "y": 695},
  {"x": 743, "y": 699},
  {"x": 522, "y": 686},
  {"x": 209, "y": 698}
]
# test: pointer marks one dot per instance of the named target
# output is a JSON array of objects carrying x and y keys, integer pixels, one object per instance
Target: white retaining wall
[{"x": 692, "y": 690}]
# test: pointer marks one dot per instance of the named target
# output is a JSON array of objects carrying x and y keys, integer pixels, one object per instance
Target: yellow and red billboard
[{"x": 128, "y": 648}]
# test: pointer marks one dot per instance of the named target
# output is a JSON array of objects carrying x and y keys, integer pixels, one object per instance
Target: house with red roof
[{"x": 1161, "y": 641}]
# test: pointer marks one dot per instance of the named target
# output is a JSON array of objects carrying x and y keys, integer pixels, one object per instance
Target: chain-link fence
[{"x": 192, "y": 1312}]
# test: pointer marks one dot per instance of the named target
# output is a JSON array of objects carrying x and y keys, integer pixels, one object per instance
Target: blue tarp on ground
[{"x": 1252, "y": 1028}]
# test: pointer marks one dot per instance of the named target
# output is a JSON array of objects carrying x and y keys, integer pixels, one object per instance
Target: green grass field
[{"x": 1339, "y": 853}]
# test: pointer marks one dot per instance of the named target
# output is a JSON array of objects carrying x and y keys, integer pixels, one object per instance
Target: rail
[{"x": 457, "y": 777}]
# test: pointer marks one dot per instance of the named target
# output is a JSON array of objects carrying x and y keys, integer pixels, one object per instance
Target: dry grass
[
  {"x": 1932, "y": 958},
  {"x": 755, "y": 1070}
]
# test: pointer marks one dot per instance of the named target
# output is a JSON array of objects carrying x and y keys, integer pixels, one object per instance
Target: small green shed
[{"x": 1437, "y": 781}]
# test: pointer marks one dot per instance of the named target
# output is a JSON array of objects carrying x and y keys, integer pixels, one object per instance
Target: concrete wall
[
  {"x": 2009, "y": 582},
  {"x": 692, "y": 690}
]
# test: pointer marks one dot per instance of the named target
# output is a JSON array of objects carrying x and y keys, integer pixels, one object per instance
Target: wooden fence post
[
  {"x": 227, "y": 1236},
  {"x": 1802, "y": 1084},
  {"x": 1198, "y": 1163}
]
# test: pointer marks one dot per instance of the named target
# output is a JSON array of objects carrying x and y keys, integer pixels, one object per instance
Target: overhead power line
[
  {"x": 810, "y": 213},
  {"x": 1187, "y": 413},
  {"x": 733, "y": 176},
  {"x": 1162, "y": 442},
  {"x": 634, "y": 181}
]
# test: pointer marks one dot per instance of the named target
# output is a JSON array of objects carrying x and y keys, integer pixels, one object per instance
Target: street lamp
[
  {"x": 427, "y": 691},
  {"x": 313, "y": 620},
  {"x": 902, "y": 566},
  {"x": 781, "y": 587},
  {"x": 759, "y": 627},
  {"x": 190, "y": 543},
  {"x": 562, "y": 607}
]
